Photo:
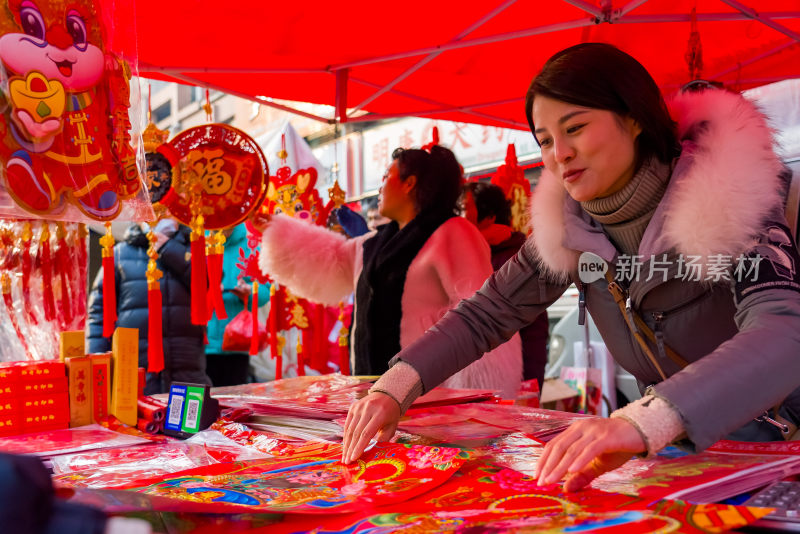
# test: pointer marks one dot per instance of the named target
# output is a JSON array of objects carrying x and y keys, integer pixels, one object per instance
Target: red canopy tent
[{"x": 469, "y": 62}]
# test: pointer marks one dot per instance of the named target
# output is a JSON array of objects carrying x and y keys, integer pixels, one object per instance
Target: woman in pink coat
[{"x": 406, "y": 275}]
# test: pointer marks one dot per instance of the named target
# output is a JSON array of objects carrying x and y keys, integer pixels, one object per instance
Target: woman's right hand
[{"x": 375, "y": 414}]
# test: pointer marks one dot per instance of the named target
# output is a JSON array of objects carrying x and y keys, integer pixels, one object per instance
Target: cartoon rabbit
[{"x": 64, "y": 136}]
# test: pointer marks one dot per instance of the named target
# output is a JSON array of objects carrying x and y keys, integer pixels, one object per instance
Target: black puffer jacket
[{"x": 184, "y": 354}]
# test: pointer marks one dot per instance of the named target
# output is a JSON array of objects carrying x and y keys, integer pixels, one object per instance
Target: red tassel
[
  {"x": 80, "y": 298},
  {"x": 344, "y": 358},
  {"x": 344, "y": 349},
  {"x": 109, "y": 297},
  {"x": 63, "y": 265},
  {"x": 155, "y": 349},
  {"x": 199, "y": 284},
  {"x": 26, "y": 273},
  {"x": 272, "y": 323},
  {"x": 303, "y": 350},
  {"x": 215, "y": 302},
  {"x": 109, "y": 284},
  {"x": 47, "y": 275},
  {"x": 319, "y": 356},
  {"x": 5, "y": 284},
  {"x": 254, "y": 337}
]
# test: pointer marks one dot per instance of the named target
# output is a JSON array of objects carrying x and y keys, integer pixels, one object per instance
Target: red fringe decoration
[
  {"x": 320, "y": 354},
  {"x": 109, "y": 297},
  {"x": 14, "y": 322},
  {"x": 344, "y": 358},
  {"x": 275, "y": 310},
  {"x": 47, "y": 281},
  {"x": 155, "y": 349},
  {"x": 199, "y": 284},
  {"x": 26, "y": 282},
  {"x": 63, "y": 264},
  {"x": 303, "y": 349},
  {"x": 80, "y": 298},
  {"x": 254, "y": 337},
  {"x": 215, "y": 302}
]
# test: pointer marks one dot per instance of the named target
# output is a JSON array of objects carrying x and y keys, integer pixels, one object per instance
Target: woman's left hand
[{"x": 586, "y": 450}]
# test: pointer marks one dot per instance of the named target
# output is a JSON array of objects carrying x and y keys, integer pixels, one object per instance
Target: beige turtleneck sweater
[{"x": 625, "y": 214}]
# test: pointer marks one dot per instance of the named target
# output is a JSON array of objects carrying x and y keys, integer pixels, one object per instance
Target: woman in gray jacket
[{"x": 675, "y": 235}]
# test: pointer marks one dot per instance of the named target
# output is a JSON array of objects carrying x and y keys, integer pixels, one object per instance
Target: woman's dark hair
[
  {"x": 601, "y": 76},
  {"x": 490, "y": 200},
  {"x": 438, "y": 178}
]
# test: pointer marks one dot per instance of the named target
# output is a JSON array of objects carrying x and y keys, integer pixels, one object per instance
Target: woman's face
[
  {"x": 395, "y": 194},
  {"x": 593, "y": 151}
]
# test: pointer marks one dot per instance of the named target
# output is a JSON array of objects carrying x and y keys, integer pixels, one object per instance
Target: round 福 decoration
[{"x": 221, "y": 165}]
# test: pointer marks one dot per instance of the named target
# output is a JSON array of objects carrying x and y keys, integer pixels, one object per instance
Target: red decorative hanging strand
[
  {"x": 254, "y": 336},
  {"x": 80, "y": 285},
  {"x": 109, "y": 285},
  {"x": 305, "y": 350},
  {"x": 27, "y": 264},
  {"x": 215, "y": 257},
  {"x": 47, "y": 274},
  {"x": 319, "y": 355},
  {"x": 344, "y": 348},
  {"x": 274, "y": 324},
  {"x": 199, "y": 285},
  {"x": 155, "y": 349},
  {"x": 63, "y": 266}
]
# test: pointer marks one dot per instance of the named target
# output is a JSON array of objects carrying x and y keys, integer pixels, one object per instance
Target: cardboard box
[
  {"x": 124, "y": 386},
  {"x": 72, "y": 344}
]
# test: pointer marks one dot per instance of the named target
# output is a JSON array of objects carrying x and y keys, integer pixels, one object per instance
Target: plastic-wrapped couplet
[
  {"x": 125, "y": 352},
  {"x": 65, "y": 142}
]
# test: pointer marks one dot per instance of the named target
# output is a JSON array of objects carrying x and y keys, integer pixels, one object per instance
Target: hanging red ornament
[
  {"x": 80, "y": 286},
  {"x": 254, "y": 336},
  {"x": 215, "y": 252},
  {"x": 47, "y": 274},
  {"x": 510, "y": 177},
  {"x": 27, "y": 264},
  {"x": 344, "y": 349},
  {"x": 109, "y": 284},
  {"x": 155, "y": 349},
  {"x": 199, "y": 279},
  {"x": 63, "y": 266},
  {"x": 304, "y": 340}
]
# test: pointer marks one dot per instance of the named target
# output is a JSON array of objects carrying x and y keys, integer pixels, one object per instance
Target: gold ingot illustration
[{"x": 41, "y": 98}]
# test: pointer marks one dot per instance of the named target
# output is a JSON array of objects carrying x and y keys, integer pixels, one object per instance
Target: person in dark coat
[
  {"x": 487, "y": 208},
  {"x": 184, "y": 353}
]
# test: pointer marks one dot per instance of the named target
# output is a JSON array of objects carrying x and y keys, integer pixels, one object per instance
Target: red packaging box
[
  {"x": 44, "y": 386},
  {"x": 42, "y": 371},
  {"x": 9, "y": 406},
  {"x": 11, "y": 425}
]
